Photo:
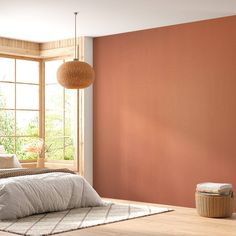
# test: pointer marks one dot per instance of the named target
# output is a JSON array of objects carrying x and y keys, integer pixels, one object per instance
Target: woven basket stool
[{"x": 216, "y": 206}]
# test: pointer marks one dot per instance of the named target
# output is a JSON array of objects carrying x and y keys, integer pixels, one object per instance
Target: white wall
[{"x": 88, "y": 117}]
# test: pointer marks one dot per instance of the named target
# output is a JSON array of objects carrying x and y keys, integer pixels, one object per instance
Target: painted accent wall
[{"x": 165, "y": 111}]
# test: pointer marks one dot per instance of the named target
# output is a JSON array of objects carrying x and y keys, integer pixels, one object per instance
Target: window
[
  {"x": 19, "y": 105},
  {"x": 22, "y": 112},
  {"x": 60, "y": 116}
]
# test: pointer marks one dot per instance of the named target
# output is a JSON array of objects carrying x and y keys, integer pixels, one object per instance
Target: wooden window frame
[
  {"x": 15, "y": 83},
  {"x": 42, "y": 52},
  {"x": 71, "y": 164},
  {"x": 41, "y": 112}
]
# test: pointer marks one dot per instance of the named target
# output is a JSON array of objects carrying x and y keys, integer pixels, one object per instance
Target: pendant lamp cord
[{"x": 75, "y": 37}]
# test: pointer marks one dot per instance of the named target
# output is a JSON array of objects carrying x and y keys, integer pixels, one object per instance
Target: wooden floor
[{"x": 182, "y": 221}]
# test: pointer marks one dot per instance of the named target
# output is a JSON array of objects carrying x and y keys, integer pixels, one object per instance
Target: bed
[{"x": 25, "y": 192}]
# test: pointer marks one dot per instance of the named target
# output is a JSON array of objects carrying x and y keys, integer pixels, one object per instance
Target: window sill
[{"x": 54, "y": 164}]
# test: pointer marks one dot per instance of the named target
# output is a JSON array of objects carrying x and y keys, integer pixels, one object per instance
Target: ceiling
[{"x": 47, "y": 20}]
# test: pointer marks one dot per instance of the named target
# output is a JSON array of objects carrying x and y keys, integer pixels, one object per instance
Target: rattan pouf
[
  {"x": 210, "y": 205},
  {"x": 214, "y": 200}
]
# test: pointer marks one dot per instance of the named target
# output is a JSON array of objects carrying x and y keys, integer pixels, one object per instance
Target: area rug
[{"x": 58, "y": 222}]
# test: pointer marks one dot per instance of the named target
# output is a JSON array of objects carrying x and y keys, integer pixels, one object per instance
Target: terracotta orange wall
[{"x": 165, "y": 111}]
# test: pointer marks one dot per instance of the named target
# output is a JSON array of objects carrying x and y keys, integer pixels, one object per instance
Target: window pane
[
  {"x": 21, "y": 150},
  {"x": 8, "y": 144},
  {"x": 60, "y": 116},
  {"x": 70, "y": 99},
  {"x": 7, "y": 69},
  {"x": 70, "y": 123},
  {"x": 27, "y": 71},
  {"x": 7, "y": 123},
  {"x": 70, "y": 112},
  {"x": 7, "y": 95},
  {"x": 51, "y": 68},
  {"x": 54, "y": 148},
  {"x": 54, "y": 124},
  {"x": 27, "y": 96},
  {"x": 54, "y": 97},
  {"x": 27, "y": 123},
  {"x": 69, "y": 149}
]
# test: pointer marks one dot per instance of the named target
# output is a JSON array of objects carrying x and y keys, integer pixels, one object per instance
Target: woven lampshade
[{"x": 75, "y": 75}]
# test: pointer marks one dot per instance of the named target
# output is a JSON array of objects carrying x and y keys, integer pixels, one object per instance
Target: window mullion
[
  {"x": 42, "y": 103},
  {"x": 64, "y": 115},
  {"x": 15, "y": 105}
]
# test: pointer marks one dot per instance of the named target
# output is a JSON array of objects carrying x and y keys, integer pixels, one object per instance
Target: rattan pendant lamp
[{"x": 75, "y": 74}]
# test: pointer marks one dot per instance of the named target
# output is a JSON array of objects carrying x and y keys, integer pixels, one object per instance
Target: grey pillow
[{"x": 9, "y": 161}]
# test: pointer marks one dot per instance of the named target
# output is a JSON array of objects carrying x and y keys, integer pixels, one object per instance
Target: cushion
[
  {"x": 9, "y": 161},
  {"x": 214, "y": 188}
]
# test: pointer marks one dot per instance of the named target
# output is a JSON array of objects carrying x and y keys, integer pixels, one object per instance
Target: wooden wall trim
[
  {"x": 46, "y": 50},
  {"x": 19, "y": 47},
  {"x": 57, "y": 52},
  {"x": 57, "y": 44},
  {"x": 57, "y": 48},
  {"x": 15, "y": 43}
]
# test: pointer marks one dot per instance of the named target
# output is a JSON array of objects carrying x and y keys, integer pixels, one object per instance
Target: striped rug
[{"x": 58, "y": 222}]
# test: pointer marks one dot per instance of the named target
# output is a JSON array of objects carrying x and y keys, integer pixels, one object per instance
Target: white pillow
[{"x": 9, "y": 161}]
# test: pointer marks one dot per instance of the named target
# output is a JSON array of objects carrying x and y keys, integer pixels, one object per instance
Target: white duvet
[{"x": 33, "y": 194}]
